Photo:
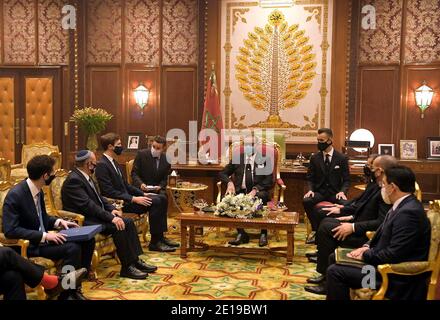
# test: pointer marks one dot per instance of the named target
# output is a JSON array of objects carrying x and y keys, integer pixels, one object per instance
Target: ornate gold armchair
[
  {"x": 5, "y": 170},
  {"x": 128, "y": 169},
  {"x": 411, "y": 268},
  {"x": 31, "y": 150}
]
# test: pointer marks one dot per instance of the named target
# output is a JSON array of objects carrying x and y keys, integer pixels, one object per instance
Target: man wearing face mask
[
  {"x": 81, "y": 194},
  {"x": 151, "y": 168},
  {"x": 403, "y": 236},
  {"x": 248, "y": 180},
  {"x": 25, "y": 217},
  {"x": 365, "y": 213},
  {"x": 328, "y": 178},
  {"x": 113, "y": 184}
]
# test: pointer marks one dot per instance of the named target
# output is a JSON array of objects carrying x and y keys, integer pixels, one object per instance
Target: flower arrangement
[
  {"x": 92, "y": 121},
  {"x": 240, "y": 206}
]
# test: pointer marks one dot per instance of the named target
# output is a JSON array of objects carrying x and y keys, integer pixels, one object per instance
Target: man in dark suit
[
  {"x": 114, "y": 185},
  {"x": 80, "y": 194},
  {"x": 16, "y": 271},
  {"x": 403, "y": 236},
  {"x": 250, "y": 177},
  {"x": 151, "y": 168},
  {"x": 25, "y": 217},
  {"x": 328, "y": 178},
  {"x": 365, "y": 213}
]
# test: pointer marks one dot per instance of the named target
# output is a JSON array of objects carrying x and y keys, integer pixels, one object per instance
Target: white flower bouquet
[{"x": 240, "y": 206}]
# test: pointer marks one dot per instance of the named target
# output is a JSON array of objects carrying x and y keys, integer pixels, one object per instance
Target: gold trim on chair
[{"x": 5, "y": 170}]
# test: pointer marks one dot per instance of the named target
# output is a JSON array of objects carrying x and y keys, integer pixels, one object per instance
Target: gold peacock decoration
[{"x": 275, "y": 68}]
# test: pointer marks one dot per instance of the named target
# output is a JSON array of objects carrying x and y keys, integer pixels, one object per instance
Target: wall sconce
[
  {"x": 141, "y": 96},
  {"x": 424, "y": 96}
]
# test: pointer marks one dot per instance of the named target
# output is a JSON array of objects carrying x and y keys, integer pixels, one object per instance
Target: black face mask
[
  {"x": 49, "y": 181},
  {"x": 92, "y": 169},
  {"x": 324, "y": 145},
  {"x": 118, "y": 150}
]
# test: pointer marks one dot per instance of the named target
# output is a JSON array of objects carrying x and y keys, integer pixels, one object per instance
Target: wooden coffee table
[{"x": 284, "y": 221}]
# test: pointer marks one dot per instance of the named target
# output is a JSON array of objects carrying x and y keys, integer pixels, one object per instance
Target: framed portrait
[
  {"x": 433, "y": 148},
  {"x": 408, "y": 149},
  {"x": 386, "y": 149},
  {"x": 133, "y": 141}
]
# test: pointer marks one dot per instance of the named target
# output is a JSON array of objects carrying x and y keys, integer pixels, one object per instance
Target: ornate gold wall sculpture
[{"x": 276, "y": 67}]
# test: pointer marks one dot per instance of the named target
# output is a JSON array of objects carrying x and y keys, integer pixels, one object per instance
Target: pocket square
[{"x": 337, "y": 167}]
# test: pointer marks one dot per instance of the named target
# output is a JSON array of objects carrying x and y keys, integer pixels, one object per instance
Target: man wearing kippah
[{"x": 80, "y": 194}]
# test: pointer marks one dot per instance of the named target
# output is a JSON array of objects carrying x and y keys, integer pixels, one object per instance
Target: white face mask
[
  {"x": 385, "y": 196},
  {"x": 155, "y": 153}
]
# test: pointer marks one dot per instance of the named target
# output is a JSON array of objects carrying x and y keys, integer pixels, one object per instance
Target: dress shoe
[
  {"x": 148, "y": 268},
  {"x": 77, "y": 276},
  {"x": 170, "y": 243},
  {"x": 316, "y": 280},
  {"x": 312, "y": 254},
  {"x": 161, "y": 247},
  {"x": 133, "y": 273},
  {"x": 313, "y": 259},
  {"x": 311, "y": 239},
  {"x": 79, "y": 294},
  {"x": 241, "y": 239},
  {"x": 263, "y": 240},
  {"x": 321, "y": 289}
]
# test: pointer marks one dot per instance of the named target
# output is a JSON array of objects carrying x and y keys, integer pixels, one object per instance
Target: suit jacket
[
  {"x": 368, "y": 210},
  {"x": 260, "y": 181},
  {"x": 20, "y": 218},
  {"x": 111, "y": 184},
  {"x": 145, "y": 170},
  {"x": 78, "y": 196},
  {"x": 333, "y": 182},
  {"x": 403, "y": 236}
]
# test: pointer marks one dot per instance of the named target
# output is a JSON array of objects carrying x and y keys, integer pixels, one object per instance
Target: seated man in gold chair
[
  {"x": 403, "y": 236},
  {"x": 25, "y": 217},
  {"x": 80, "y": 194},
  {"x": 251, "y": 177}
]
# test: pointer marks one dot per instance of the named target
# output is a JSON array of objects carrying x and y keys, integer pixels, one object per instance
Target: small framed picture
[
  {"x": 408, "y": 149},
  {"x": 133, "y": 141},
  {"x": 434, "y": 148},
  {"x": 386, "y": 149}
]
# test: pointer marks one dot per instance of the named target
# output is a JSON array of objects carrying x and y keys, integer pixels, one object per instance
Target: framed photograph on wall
[
  {"x": 133, "y": 141},
  {"x": 433, "y": 148},
  {"x": 386, "y": 149},
  {"x": 408, "y": 149}
]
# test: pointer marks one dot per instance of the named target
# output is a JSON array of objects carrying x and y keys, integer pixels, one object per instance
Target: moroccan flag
[{"x": 212, "y": 115}]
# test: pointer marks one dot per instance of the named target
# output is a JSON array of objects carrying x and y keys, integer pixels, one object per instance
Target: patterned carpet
[{"x": 211, "y": 275}]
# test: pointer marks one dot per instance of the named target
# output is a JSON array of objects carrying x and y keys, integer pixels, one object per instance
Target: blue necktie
[{"x": 40, "y": 213}]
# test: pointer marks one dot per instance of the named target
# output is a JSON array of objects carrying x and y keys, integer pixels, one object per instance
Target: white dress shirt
[
  {"x": 330, "y": 153},
  {"x": 35, "y": 194},
  {"x": 251, "y": 160},
  {"x": 112, "y": 162}
]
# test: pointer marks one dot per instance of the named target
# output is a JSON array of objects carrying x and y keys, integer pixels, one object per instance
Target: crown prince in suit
[
  {"x": 328, "y": 177},
  {"x": 25, "y": 217}
]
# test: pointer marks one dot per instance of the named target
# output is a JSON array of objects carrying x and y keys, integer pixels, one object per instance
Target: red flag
[{"x": 212, "y": 115}]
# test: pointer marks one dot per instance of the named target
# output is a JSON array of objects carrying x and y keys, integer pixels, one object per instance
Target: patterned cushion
[{"x": 46, "y": 263}]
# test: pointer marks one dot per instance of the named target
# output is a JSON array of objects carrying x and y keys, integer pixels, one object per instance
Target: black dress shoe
[
  {"x": 148, "y": 268},
  {"x": 316, "y": 280},
  {"x": 263, "y": 240},
  {"x": 170, "y": 243},
  {"x": 161, "y": 247},
  {"x": 311, "y": 239},
  {"x": 321, "y": 289},
  {"x": 313, "y": 259},
  {"x": 133, "y": 273},
  {"x": 77, "y": 276},
  {"x": 312, "y": 254},
  {"x": 79, "y": 295},
  {"x": 241, "y": 239}
]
